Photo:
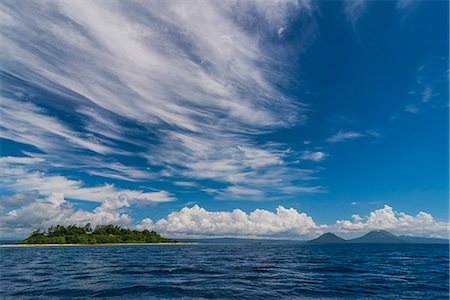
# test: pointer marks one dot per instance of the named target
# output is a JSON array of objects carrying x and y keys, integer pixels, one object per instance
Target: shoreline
[{"x": 89, "y": 245}]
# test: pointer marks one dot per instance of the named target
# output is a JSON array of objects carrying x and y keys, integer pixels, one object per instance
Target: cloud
[
  {"x": 431, "y": 83},
  {"x": 198, "y": 221},
  {"x": 407, "y": 4},
  {"x": 15, "y": 200},
  {"x": 28, "y": 124},
  {"x": 423, "y": 224},
  {"x": 314, "y": 156},
  {"x": 55, "y": 210},
  {"x": 185, "y": 183},
  {"x": 342, "y": 136},
  {"x": 31, "y": 125},
  {"x": 160, "y": 76},
  {"x": 353, "y": 9},
  {"x": 19, "y": 178},
  {"x": 411, "y": 108},
  {"x": 233, "y": 160},
  {"x": 427, "y": 94}
]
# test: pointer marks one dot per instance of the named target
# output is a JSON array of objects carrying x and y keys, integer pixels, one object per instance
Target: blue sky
[{"x": 287, "y": 118}]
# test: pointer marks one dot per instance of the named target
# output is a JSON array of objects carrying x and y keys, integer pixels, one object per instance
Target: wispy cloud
[
  {"x": 411, "y": 108},
  {"x": 427, "y": 94},
  {"x": 407, "y": 4},
  {"x": 190, "y": 79},
  {"x": 342, "y": 136},
  {"x": 17, "y": 176},
  {"x": 353, "y": 9},
  {"x": 230, "y": 159},
  {"x": 28, "y": 124},
  {"x": 314, "y": 156}
]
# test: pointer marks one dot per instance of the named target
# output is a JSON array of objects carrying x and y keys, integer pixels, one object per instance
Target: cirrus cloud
[{"x": 192, "y": 78}]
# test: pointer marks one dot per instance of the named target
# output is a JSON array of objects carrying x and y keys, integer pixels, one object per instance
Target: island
[
  {"x": 101, "y": 234},
  {"x": 376, "y": 237}
]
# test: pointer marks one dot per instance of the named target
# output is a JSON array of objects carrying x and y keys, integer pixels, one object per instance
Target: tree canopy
[{"x": 102, "y": 234}]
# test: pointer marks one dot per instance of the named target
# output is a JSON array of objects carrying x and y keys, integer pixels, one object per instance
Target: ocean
[{"x": 226, "y": 271}]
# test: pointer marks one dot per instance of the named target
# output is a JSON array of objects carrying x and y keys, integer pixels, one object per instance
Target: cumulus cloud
[
  {"x": 342, "y": 136},
  {"x": 198, "y": 221},
  {"x": 15, "y": 200},
  {"x": 54, "y": 210},
  {"x": 397, "y": 222},
  {"x": 284, "y": 222}
]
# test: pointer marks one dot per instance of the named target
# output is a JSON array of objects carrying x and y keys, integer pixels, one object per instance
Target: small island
[
  {"x": 376, "y": 237},
  {"x": 102, "y": 234}
]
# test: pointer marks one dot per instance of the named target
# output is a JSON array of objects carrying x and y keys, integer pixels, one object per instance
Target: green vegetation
[{"x": 102, "y": 234}]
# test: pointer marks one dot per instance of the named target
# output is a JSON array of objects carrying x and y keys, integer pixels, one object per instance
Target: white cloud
[
  {"x": 20, "y": 160},
  {"x": 192, "y": 78},
  {"x": 28, "y": 124},
  {"x": 411, "y": 108},
  {"x": 399, "y": 223},
  {"x": 353, "y": 9},
  {"x": 185, "y": 183},
  {"x": 427, "y": 94},
  {"x": 342, "y": 136},
  {"x": 314, "y": 156},
  {"x": 31, "y": 125},
  {"x": 15, "y": 200},
  {"x": 198, "y": 221},
  {"x": 230, "y": 159},
  {"x": 55, "y": 210},
  {"x": 407, "y": 4},
  {"x": 19, "y": 178}
]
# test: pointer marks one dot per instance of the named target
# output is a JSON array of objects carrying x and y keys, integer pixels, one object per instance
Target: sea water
[{"x": 225, "y": 271}]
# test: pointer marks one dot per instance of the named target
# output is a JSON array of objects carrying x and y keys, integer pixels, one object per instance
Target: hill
[
  {"x": 377, "y": 237},
  {"x": 327, "y": 238},
  {"x": 102, "y": 234}
]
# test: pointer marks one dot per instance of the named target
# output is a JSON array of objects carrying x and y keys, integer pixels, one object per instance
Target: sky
[{"x": 276, "y": 119}]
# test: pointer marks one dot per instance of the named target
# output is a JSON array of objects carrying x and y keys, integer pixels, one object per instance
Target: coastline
[{"x": 90, "y": 245}]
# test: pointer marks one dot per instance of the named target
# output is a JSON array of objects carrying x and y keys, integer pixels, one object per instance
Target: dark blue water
[{"x": 242, "y": 271}]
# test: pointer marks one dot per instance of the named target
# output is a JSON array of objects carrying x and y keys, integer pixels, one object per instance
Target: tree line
[{"x": 101, "y": 234}]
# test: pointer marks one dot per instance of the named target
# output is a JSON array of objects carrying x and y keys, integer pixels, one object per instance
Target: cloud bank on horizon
[
  {"x": 197, "y": 222},
  {"x": 111, "y": 110}
]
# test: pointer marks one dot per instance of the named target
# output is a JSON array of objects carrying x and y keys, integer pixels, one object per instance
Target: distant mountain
[
  {"x": 423, "y": 240},
  {"x": 378, "y": 237},
  {"x": 327, "y": 238}
]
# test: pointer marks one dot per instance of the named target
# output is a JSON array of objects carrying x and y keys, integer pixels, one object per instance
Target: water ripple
[{"x": 240, "y": 271}]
